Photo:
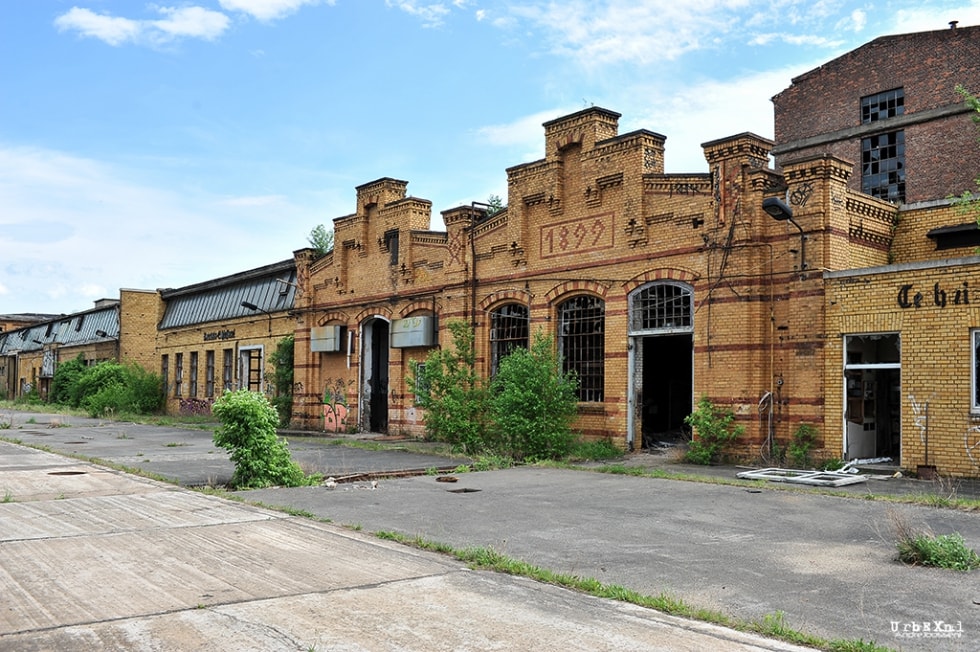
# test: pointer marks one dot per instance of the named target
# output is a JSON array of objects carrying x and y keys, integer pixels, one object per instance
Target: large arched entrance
[
  {"x": 374, "y": 375},
  {"x": 661, "y": 365}
]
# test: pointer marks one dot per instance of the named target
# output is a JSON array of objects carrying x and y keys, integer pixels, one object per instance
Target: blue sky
[{"x": 149, "y": 145}]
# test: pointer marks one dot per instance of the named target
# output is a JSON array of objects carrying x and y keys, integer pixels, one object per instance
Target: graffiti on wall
[{"x": 335, "y": 406}]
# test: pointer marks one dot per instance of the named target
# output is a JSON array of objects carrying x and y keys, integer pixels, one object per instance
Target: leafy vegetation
[
  {"x": 452, "y": 394},
  {"x": 525, "y": 413},
  {"x": 248, "y": 430},
  {"x": 532, "y": 404},
  {"x": 321, "y": 240},
  {"x": 803, "y": 441},
  {"x": 714, "y": 429},
  {"x": 282, "y": 379},
  {"x": 106, "y": 389}
]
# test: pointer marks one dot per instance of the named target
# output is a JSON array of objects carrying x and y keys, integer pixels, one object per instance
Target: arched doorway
[
  {"x": 374, "y": 375},
  {"x": 661, "y": 363}
]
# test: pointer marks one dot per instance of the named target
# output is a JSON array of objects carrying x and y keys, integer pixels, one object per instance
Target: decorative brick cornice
[{"x": 873, "y": 209}]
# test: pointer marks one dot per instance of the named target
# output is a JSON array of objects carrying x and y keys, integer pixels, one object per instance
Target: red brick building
[{"x": 891, "y": 108}]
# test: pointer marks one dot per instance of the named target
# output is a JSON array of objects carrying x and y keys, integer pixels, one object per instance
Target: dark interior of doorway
[
  {"x": 667, "y": 386},
  {"x": 378, "y": 412}
]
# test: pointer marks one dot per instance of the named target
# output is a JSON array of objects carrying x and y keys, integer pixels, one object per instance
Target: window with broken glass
[
  {"x": 581, "y": 343},
  {"x": 661, "y": 307},
  {"x": 508, "y": 331},
  {"x": 883, "y": 166},
  {"x": 880, "y": 106},
  {"x": 178, "y": 374}
]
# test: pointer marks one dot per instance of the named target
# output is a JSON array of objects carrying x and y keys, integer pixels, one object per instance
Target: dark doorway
[
  {"x": 376, "y": 375},
  {"x": 667, "y": 385}
]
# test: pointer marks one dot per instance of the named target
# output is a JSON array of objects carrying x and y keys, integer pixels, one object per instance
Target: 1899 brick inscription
[{"x": 579, "y": 236}]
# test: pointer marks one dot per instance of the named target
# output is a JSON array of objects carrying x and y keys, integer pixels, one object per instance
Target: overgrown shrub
[
  {"x": 533, "y": 404},
  {"x": 714, "y": 430},
  {"x": 93, "y": 380},
  {"x": 110, "y": 388},
  {"x": 282, "y": 379},
  {"x": 248, "y": 430},
  {"x": 453, "y": 396},
  {"x": 803, "y": 441},
  {"x": 65, "y": 378}
]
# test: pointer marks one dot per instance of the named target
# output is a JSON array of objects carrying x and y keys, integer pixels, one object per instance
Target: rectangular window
[
  {"x": 192, "y": 391},
  {"x": 581, "y": 343},
  {"x": 880, "y": 106},
  {"x": 209, "y": 374},
  {"x": 883, "y": 166},
  {"x": 165, "y": 373},
  {"x": 251, "y": 375},
  {"x": 227, "y": 375},
  {"x": 178, "y": 374}
]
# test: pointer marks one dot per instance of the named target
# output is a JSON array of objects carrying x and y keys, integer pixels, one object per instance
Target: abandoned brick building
[{"x": 660, "y": 288}]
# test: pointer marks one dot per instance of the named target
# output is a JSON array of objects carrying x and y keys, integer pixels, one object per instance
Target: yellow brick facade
[
  {"x": 201, "y": 361},
  {"x": 598, "y": 217}
]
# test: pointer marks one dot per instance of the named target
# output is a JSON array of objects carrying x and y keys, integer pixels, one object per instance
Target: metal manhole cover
[
  {"x": 67, "y": 472},
  {"x": 464, "y": 490}
]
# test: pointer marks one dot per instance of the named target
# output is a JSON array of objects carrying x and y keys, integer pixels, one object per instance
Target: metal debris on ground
[{"x": 800, "y": 476}]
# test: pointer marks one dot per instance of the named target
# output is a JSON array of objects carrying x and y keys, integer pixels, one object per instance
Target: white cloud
[
  {"x": 114, "y": 31},
  {"x": 195, "y": 22},
  {"x": 267, "y": 10},
  {"x": 86, "y": 228},
  {"x": 192, "y": 21},
  {"x": 927, "y": 19},
  {"x": 432, "y": 15}
]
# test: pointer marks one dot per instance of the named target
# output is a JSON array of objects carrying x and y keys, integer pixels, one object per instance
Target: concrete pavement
[
  {"x": 96, "y": 559},
  {"x": 827, "y": 562}
]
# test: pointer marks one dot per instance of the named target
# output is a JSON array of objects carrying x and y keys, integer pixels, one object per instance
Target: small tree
[
  {"x": 714, "y": 429},
  {"x": 248, "y": 430},
  {"x": 321, "y": 240},
  {"x": 453, "y": 396},
  {"x": 282, "y": 379},
  {"x": 533, "y": 403}
]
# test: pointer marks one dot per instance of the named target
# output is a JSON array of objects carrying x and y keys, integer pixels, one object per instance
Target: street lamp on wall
[
  {"x": 779, "y": 211},
  {"x": 251, "y": 306}
]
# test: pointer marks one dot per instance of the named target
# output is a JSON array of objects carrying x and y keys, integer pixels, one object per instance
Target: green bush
[
  {"x": 453, "y": 396},
  {"x": 65, "y": 378},
  {"x": 803, "y": 441},
  {"x": 248, "y": 430},
  {"x": 93, "y": 380},
  {"x": 111, "y": 388},
  {"x": 714, "y": 430},
  {"x": 943, "y": 551},
  {"x": 533, "y": 404}
]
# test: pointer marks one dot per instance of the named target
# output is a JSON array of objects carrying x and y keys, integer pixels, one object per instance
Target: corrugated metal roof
[
  {"x": 271, "y": 288},
  {"x": 69, "y": 330}
]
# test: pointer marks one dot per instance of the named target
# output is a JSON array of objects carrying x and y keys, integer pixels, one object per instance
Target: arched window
[
  {"x": 661, "y": 307},
  {"x": 581, "y": 343},
  {"x": 508, "y": 331}
]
